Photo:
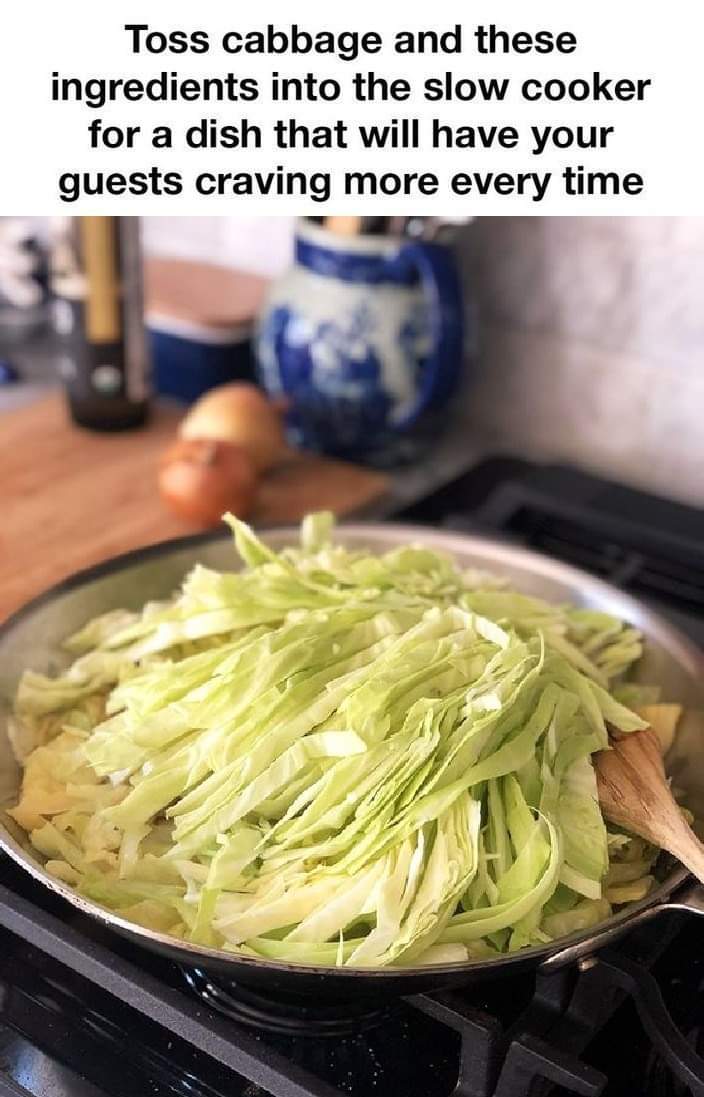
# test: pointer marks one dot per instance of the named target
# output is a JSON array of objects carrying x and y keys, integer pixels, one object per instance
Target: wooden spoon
[
  {"x": 634, "y": 794},
  {"x": 344, "y": 226}
]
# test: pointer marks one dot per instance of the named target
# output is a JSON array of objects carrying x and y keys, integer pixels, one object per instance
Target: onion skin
[
  {"x": 200, "y": 479},
  {"x": 239, "y": 413}
]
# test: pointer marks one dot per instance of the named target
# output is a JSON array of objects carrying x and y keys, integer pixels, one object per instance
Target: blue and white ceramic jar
[{"x": 363, "y": 339}]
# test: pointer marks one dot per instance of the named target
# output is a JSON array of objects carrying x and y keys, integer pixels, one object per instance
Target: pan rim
[{"x": 545, "y": 565}]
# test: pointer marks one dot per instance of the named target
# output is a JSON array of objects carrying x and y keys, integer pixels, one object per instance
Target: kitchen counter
[{"x": 71, "y": 497}]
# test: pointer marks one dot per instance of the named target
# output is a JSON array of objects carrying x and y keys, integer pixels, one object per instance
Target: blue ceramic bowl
[{"x": 188, "y": 360}]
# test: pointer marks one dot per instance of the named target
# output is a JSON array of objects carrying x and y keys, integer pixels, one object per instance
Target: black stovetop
[{"x": 85, "y": 1014}]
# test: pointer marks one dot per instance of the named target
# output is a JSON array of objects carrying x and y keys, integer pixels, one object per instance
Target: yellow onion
[
  {"x": 200, "y": 479},
  {"x": 239, "y": 413}
]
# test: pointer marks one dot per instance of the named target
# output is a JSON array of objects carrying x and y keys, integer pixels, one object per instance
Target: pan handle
[{"x": 689, "y": 899}]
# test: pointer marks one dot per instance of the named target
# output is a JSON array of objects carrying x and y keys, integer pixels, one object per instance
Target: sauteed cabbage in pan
[{"x": 331, "y": 757}]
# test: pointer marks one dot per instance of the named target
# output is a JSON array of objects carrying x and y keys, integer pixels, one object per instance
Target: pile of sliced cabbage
[{"x": 338, "y": 758}]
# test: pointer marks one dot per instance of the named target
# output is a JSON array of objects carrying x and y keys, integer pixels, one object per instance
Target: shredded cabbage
[{"x": 338, "y": 758}]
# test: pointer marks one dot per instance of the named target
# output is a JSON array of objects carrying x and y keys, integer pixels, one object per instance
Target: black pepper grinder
[{"x": 96, "y": 274}]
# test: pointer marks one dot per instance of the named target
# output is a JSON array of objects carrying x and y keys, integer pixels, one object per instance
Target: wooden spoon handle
[
  {"x": 634, "y": 794},
  {"x": 687, "y": 848},
  {"x": 344, "y": 226}
]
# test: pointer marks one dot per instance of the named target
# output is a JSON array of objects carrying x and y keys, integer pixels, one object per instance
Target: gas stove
[{"x": 84, "y": 1013}]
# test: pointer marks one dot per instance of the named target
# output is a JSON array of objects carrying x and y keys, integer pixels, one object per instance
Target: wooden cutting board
[{"x": 71, "y": 497}]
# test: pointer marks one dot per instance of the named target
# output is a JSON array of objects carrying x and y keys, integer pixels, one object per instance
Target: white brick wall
[{"x": 592, "y": 343}]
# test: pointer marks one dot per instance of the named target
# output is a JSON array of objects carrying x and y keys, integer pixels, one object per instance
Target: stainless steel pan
[{"x": 31, "y": 638}]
